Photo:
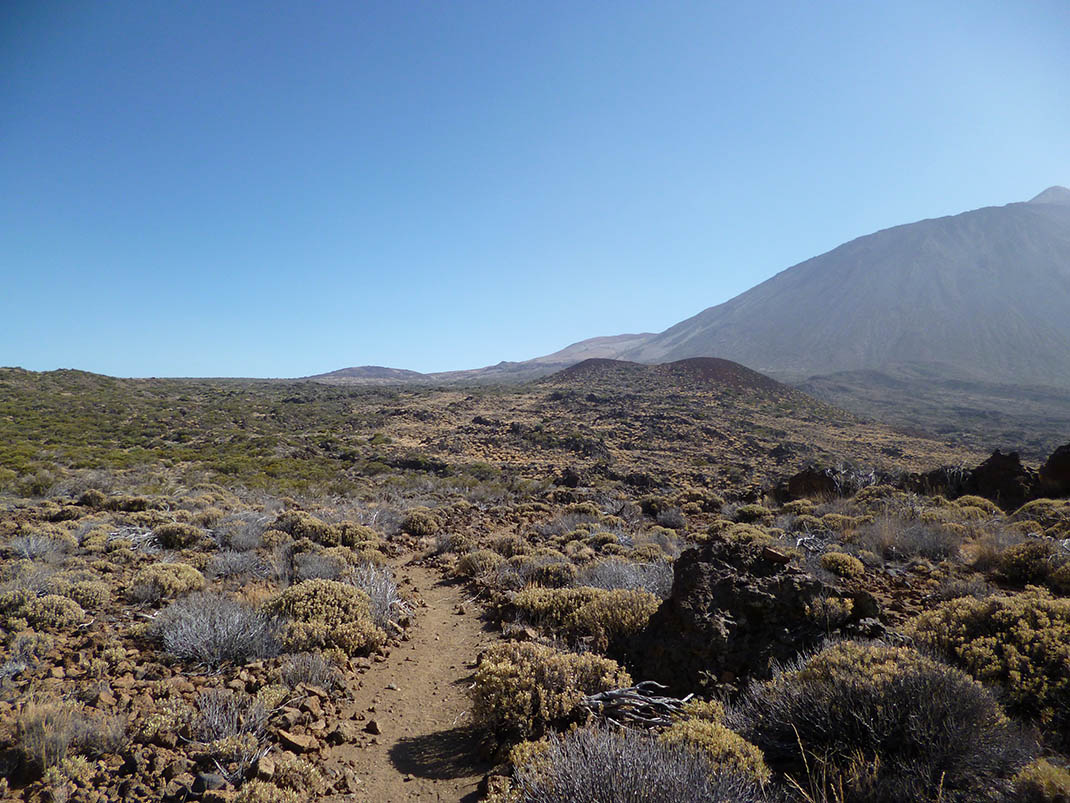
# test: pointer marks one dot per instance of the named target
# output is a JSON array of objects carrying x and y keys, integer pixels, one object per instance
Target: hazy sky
[{"x": 279, "y": 189}]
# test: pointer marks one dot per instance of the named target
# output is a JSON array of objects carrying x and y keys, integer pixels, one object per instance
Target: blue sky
[{"x": 280, "y": 189}]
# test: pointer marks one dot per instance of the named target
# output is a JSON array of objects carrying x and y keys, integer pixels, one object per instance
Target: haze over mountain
[
  {"x": 986, "y": 293},
  {"x": 958, "y": 325}
]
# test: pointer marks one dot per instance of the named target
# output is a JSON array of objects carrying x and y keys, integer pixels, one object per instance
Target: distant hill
[
  {"x": 692, "y": 373},
  {"x": 986, "y": 291},
  {"x": 958, "y": 325},
  {"x": 369, "y": 373}
]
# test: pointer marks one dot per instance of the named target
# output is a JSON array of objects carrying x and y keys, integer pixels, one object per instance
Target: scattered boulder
[
  {"x": 1054, "y": 480},
  {"x": 735, "y": 609},
  {"x": 1003, "y": 479}
]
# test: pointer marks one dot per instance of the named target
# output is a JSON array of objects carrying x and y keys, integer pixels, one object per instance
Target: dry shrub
[
  {"x": 478, "y": 563},
  {"x": 1042, "y": 782},
  {"x": 325, "y": 614},
  {"x": 522, "y": 689},
  {"x": 177, "y": 535},
  {"x": 420, "y": 521},
  {"x": 1034, "y": 560},
  {"x": 311, "y": 668},
  {"x": 212, "y": 629},
  {"x": 164, "y": 580},
  {"x": 726, "y": 750},
  {"x": 842, "y": 564},
  {"x": 874, "y": 722},
  {"x": 263, "y": 792},
  {"x": 48, "y": 730},
  {"x": 898, "y": 539},
  {"x": 383, "y": 596},
  {"x": 613, "y": 573},
  {"x": 598, "y": 765},
  {"x": 1020, "y": 642},
  {"x": 298, "y": 524},
  {"x": 20, "y": 609}
]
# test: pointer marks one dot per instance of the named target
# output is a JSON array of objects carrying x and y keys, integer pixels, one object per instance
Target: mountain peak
[{"x": 1053, "y": 195}]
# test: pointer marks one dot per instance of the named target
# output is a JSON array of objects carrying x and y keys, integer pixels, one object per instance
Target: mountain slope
[{"x": 986, "y": 291}]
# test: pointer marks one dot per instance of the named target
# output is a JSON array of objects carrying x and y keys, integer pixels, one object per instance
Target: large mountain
[{"x": 985, "y": 293}]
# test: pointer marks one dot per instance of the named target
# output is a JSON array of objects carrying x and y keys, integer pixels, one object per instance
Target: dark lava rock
[
  {"x": 1003, "y": 479},
  {"x": 1055, "y": 474},
  {"x": 208, "y": 780},
  {"x": 734, "y": 610},
  {"x": 812, "y": 482}
]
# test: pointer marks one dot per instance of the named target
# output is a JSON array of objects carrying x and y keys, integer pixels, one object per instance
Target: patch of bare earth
[{"x": 411, "y": 708}]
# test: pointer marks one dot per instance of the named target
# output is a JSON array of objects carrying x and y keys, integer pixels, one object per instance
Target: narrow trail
[{"x": 416, "y": 698}]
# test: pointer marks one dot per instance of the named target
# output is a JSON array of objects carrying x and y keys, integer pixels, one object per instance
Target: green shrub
[
  {"x": 1020, "y": 642},
  {"x": 1032, "y": 561},
  {"x": 874, "y": 722},
  {"x": 842, "y": 564},
  {"x": 177, "y": 535},
  {"x": 263, "y": 792},
  {"x": 299, "y": 524},
  {"x": 420, "y": 521},
  {"x": 753, "y": 514},
  {"x": 522, "y": 689},
  {"x": 91, "y": 595},
  {"x": 1042, "y": 782},
  {"x": 726, "y": 750},
  {"x": 21, "y": 608},
  {"x": 478, "y": 563},
  {"x": 325, "y": 614},
  {"x": 612, "y": 617},
  {"x": 163, "y": 581}
]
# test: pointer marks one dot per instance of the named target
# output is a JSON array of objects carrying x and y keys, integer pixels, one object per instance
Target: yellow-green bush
[
  {"x": 522, "y": 689},
  {"x": 751, "y": 514},
  {"x": 842, "y": 564},
  {"x": 830, "y": 612},
  {"x": 1021, "y": 642},
  {"x": 90, "y": 594},
  {"x": 987, "y": 505},
  {"x": 478, "y": 563},
  {"x": 1042, "y": 782},
  {"x": 420, "y": 521},
  {"x": 510, "y": 545},
  {"x": 726, "y": 749},
  {"x": 553, "y": 608},
  {"x": 611, "y": 616},
  {"x": 325, "y": 614},
  {"x": 1051, "y": 514},
  {"x": 300, "y": 524},
  {"x": 357, "y": 536},
  {"x": 1031, "y": 561},
  {"x": 20, "y": 609},
  {"x": 164, "y": 580},
  {"x": 264, "y": 792},
  {"x": 177, "y": 535},
  {"x": 293, "y": 772}
]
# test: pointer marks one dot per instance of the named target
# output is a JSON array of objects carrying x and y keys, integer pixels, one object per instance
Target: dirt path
[{"x": 417, "y": 699}]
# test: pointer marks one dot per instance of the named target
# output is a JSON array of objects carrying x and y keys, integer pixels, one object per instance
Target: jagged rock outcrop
[
  {"x": 1054, "y": 480},
  {"x": 1003, "y": 479},
  {"x": 735, "y": 609}
]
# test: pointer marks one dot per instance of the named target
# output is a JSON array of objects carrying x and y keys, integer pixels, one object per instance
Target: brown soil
[{"x": 427, "y": 749}]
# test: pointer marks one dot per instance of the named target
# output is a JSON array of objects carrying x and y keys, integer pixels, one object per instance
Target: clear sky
[{"x": 278, "y": 189}]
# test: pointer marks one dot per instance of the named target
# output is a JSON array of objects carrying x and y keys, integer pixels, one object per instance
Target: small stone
[
  {"x": 298, "y": 742},
  {"x": 265, "y": 768},
  {"x": 208, "y": 780},
  {"x": 373, "y": 727},
  {"x": 391, "y": 687}
]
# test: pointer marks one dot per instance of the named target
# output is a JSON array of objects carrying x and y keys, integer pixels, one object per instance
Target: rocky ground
[{"x": 254, "y": 592}]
